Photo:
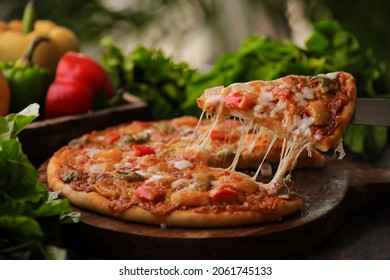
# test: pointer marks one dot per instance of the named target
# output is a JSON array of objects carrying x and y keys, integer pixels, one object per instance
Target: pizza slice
[{"x": 306, "y": 112}]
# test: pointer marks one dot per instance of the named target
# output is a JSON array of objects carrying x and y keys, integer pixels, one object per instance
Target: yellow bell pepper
[
  {"x": 4, "y": 95},
  {"x": 15, "y": 37}
]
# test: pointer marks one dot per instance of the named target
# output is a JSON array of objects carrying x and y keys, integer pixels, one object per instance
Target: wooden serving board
[{"x": 329, "y": 193}]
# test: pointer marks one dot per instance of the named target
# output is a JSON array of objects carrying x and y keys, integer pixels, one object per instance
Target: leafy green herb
[{"x": 29, "y": 214}]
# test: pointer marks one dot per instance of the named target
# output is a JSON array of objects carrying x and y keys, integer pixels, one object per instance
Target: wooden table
[{"x": 365, "y": 235}]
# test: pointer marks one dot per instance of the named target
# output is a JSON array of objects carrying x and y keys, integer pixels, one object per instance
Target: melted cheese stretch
[
  {"x": 291, "y": 149},
  {"x": 241, "y": 145}
]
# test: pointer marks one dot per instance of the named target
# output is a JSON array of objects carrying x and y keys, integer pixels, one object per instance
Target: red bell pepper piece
[
  {"x": 237, "y": 100},
  {"x": 142, "y": 192},
  {"x": 223, "y": 194},
  {"x": 142, "y": 150},
  {"x": 217, "y": 134},
  {"x": 111, "y": 138},
  {"x": 79, "y": 79},
  {"x": 148, "y": 191},
  {"x": 281, "y": 92}
]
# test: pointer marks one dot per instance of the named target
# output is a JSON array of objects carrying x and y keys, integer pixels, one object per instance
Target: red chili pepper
[{"x": 78, "y": 82}]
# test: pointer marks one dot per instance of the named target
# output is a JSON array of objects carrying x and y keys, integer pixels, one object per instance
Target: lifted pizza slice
[{"x": 305, "y": 111}]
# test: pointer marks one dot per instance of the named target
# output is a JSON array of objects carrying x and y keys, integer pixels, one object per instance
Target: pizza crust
[{"x": 343, "y": 119}]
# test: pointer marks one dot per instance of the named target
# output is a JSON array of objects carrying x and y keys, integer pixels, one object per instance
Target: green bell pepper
[{"x": 28, "y": 83}]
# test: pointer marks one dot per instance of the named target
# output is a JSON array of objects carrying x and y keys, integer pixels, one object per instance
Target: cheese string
[
  {"x": 274, "y": 138},
  {"x": 196, "y": 129},
  {"x": 257, "y": 132},
  {"x": 291, "y": 150},
  {"x": 241, "y": 145}
]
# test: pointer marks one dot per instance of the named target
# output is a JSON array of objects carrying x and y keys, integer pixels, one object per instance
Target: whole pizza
[{"x": 190, "y": 172}]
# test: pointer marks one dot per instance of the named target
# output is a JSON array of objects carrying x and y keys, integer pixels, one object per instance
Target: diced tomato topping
[
  {"x": 223, "y": 194},
  {"x": 281, "y": 92},
  {"x": 142, "y": 150},
  {"x": 148, "y": 192},
  {"x": 111, "y": 138},
  {"x": 142, "y": 192},
  {"x": 237, "y": 100},
  {"x": 143, "y": 124},
  {"x": 217, "y": 134}
]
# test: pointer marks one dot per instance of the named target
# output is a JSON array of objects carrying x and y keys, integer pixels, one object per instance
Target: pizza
[
  {"x": 188, "y": 172},
  {"x": 306, "y": 112}
]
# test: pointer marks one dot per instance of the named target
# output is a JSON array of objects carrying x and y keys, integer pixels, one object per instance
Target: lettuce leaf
[
  {"x": 149, "y": 74},
  {"x": 29, "y": 216}
]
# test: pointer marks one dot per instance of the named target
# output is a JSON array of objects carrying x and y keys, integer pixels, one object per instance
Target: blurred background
[{"x": 198, "y": 32}]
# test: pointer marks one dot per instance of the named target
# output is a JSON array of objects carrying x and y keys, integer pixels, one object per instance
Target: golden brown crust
[
  {"x": 342, "y": 120},
  {"x": 86, "y": 200}
]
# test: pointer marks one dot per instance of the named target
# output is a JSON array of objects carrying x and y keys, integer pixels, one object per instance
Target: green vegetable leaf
[
  {"x": 51, "y": 208},
  {"x": 151, "y": 75},
  {"x": 20, "y": 227},
  {"x": 112, "y": 61},
  {"x": 13, "y": 124},
  {"x": 317, "y": 43},
  {"x": 29, "y": 215},
  {"x": 18, "y": 176}
]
